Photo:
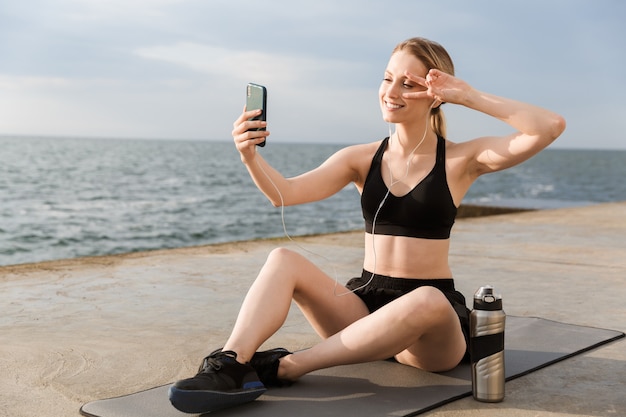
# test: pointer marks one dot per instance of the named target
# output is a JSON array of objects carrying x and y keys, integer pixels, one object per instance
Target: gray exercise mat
[{"x": 382, "y": 388}]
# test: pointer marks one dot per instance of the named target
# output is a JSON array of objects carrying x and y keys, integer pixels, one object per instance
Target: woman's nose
[{"x": 392, "y": 90}]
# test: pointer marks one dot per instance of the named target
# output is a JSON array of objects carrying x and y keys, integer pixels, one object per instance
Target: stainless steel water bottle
[{"x": 487, "y": 345}]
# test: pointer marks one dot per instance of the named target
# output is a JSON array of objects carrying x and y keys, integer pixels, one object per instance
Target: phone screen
[{"x": 256, "y": 98}]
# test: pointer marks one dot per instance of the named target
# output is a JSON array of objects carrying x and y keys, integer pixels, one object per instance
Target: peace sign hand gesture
[{"x": 440, "y": 86}]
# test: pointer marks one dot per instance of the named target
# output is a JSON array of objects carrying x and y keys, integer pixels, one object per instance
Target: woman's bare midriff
[{"x": 407, "y": 257}]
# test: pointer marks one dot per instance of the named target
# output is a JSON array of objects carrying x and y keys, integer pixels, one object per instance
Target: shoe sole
[{"x": 198, "y": 402}]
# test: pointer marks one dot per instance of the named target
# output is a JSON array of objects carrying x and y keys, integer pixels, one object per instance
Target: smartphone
[{"x": 256, "y": 98}]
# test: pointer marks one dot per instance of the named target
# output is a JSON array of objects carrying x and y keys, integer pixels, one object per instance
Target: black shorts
[{"x": 383, "y": 289}]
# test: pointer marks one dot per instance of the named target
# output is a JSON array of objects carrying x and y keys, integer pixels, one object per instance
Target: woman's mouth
[{"x": 392, "y": 106}]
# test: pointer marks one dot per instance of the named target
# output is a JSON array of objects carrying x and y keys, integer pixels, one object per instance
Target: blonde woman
[{"x": 404, "y": 304}]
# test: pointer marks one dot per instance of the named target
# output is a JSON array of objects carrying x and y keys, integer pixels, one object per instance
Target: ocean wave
[{"x": 66, "y": 198}]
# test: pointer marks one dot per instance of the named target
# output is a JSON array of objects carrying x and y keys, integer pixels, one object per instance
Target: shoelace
[{"x": 214, "y": 361}]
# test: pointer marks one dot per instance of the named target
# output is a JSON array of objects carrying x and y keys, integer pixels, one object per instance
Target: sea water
[{"x": 71, "y": 197}]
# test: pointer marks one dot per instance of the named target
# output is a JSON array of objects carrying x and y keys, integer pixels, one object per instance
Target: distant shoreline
[
  {"x": 475, "y": 210},
  {"x": 33, "y": 136}
]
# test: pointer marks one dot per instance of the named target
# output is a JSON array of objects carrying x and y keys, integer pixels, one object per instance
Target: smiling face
[{"x": 396, "y": 109}]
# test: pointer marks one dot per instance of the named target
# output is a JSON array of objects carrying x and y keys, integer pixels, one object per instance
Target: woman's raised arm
[{"x": 535, "y": 127}]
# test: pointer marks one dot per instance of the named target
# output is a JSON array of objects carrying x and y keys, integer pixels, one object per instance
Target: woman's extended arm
[{"x": 322, "y": 182}]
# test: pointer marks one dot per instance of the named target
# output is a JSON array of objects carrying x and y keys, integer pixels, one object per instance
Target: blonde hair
[{"x": 432, "y": 55}]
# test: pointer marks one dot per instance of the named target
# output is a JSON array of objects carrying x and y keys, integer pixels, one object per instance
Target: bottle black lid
[{"x": 486, "y": 299}]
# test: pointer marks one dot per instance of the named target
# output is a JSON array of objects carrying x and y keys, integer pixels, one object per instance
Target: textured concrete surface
[{"x": 79, "y": 330}]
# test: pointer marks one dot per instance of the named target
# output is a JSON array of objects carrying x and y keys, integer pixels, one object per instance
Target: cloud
[
  {"x": 22, "y": 83},
  {"x": 310, "y": 98},
  {"x": 111, "y": 10},
  {"x": 178, "y": 68},
  {"x": 264, "y": 66},
  {"x": 101, "y": 107}
]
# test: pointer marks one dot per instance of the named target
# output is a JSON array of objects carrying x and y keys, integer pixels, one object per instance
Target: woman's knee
[
  {"x": 285, "y": 265},
  {"x": 283, "y": 256},
  {"x": 283, "y": 260},
  {"x": 426, "y": 306}
]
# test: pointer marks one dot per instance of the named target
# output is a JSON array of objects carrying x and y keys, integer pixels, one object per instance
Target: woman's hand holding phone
[{"x": 247, "y": 134}]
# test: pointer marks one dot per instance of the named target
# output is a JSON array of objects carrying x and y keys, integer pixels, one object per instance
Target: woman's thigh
[
  {"x": 442, "y": 343},
  {"x": 327, "y": 305}
]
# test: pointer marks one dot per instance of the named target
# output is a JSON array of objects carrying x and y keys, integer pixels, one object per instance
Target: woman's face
[{"x": 395, "y": 108}]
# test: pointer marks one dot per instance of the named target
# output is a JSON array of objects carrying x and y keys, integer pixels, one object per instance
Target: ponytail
[{"x": 438, "y": 121}]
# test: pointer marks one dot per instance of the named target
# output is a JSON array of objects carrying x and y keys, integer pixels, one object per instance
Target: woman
[{"x": 404, "y": 305}]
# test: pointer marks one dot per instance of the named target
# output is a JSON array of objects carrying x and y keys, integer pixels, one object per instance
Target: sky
[{"x": 177, "y": 69}]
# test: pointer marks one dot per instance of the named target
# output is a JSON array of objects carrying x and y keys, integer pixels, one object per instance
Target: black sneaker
[
  {"x": 266, "y": 366},
  {"x": 221, "y": 382}
]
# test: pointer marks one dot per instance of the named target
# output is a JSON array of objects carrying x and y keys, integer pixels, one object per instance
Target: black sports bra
[{"x": 427, "y": 211}]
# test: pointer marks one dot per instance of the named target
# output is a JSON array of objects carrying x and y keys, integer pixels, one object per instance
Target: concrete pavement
[{"x": 74, "y": 331}]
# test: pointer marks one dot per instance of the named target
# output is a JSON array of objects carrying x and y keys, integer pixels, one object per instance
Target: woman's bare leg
[
  {"x": 421, "y": 329},
  {"x": 288, "y": 275}
]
